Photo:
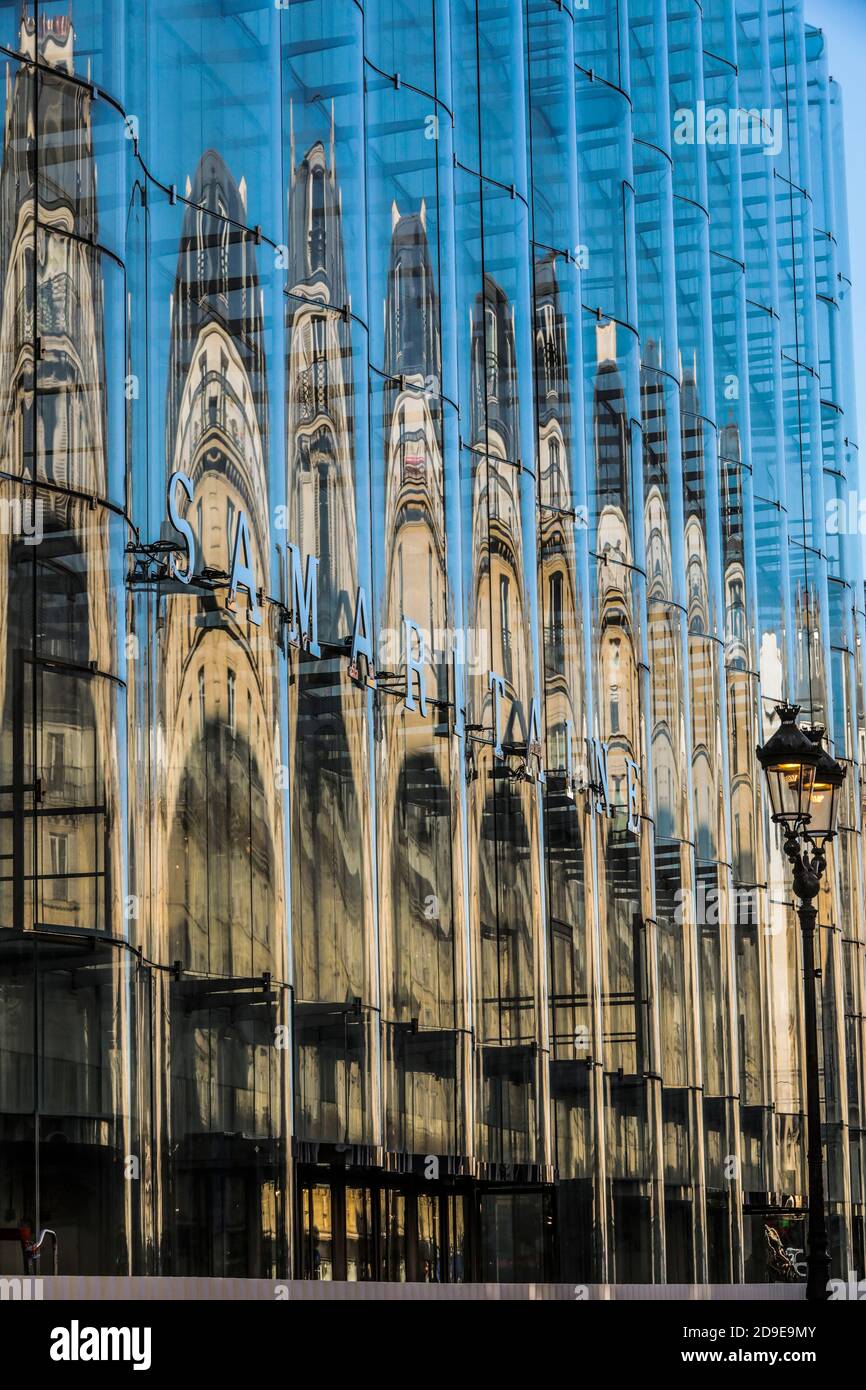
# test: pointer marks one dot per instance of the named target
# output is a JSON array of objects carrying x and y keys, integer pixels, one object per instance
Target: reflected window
[
  {"x": 505, "y": 625},
  {"x": 429, "y": 1240},
  {"x": 224, "y": 255},
  {"x": 615, "y": 661},
  {"x": 230, "y": 529},
  {"x": 393, "y": 1226},
  {"x": 492, "y": 353},
  {"x": 231, "y": 682},
  {"x": 58, "y": 850},
  {"x": 317, "y": 1261},
  {"x": 201, "y": 700},
  {"x": 457, "y": 1263},
  {"x": 553, "y": 455},
  {"x": 557, "y": 627},
  {"x": 55, "y": 759},
  {"x": 360, "y": 1240}
]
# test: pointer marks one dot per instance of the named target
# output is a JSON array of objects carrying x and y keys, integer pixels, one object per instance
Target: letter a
[{"x": 242, "y": 572}]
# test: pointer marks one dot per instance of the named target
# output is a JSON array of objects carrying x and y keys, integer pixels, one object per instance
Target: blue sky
[{"x": 844, "y": 23}]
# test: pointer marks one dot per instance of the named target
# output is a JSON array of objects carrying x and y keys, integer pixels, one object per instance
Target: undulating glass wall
[{"x": 428, "y": 456}]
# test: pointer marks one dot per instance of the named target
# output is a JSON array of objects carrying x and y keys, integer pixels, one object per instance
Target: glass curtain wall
[
  {"x": 619, "y": 748},
  {"x": 428, "y": 457},
  {"x": 75, "y": 1043}
]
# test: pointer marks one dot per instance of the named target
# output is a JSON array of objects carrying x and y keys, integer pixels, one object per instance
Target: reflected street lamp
[{"x": 804, "y": 782}]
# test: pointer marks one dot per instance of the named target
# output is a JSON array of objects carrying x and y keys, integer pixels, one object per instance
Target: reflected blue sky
[{"x": 844, "y": 23}]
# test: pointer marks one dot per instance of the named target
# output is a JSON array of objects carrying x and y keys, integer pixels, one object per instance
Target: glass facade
[{"x": 428, "y": 455}]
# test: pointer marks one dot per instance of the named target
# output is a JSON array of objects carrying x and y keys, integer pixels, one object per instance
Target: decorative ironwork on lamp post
[{"x": 804, "y": 782}]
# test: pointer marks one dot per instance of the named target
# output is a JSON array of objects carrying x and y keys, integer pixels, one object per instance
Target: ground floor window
[{"x": 403, "y": 1230}]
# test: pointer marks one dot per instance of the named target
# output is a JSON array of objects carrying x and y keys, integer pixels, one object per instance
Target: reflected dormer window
[
  {"x": 199, "y": 248},
  {"x": 316, "y": 233},
  {"x": 398, "y": 312},
  {"x": 492, "y": 353},
  {"x": 225, "y": 234}
]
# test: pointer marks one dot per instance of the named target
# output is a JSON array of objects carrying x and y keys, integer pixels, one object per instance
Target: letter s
[{"x": 182, "y": 525}]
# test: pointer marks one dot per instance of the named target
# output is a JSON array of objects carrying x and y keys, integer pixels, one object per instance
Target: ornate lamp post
[{"x": 804, "y": 783}]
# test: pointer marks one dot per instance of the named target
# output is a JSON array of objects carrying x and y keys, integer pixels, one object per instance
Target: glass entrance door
[
  {"x": 515, "y": 1236},
  {"x": 397, "y": 1232}
]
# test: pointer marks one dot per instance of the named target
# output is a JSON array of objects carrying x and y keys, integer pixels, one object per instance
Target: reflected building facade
[{"x": 427, "y": 460}]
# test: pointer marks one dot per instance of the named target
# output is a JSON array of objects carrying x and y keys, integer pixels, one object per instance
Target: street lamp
[
  {"x": 826, "y": 786},
  {"x": 804, "y": 783}
]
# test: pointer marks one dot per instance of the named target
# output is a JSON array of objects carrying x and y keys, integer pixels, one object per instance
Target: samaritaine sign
[{"x": 304, "y": 633}]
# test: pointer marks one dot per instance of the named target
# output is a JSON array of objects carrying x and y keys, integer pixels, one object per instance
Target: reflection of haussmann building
[{"x": 413, "y": 479}]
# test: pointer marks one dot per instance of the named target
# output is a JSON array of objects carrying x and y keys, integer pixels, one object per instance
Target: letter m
[
  {"x": 115, "y": 1344},
  {"x": 305, "y": 604}
]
